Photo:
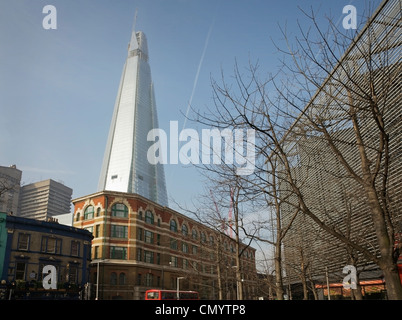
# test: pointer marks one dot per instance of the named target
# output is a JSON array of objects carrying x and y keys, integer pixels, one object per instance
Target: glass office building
[{"x": 125, "y": 166}]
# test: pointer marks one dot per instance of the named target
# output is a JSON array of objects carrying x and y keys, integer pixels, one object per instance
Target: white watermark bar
[{"x": 215, "y": 147}]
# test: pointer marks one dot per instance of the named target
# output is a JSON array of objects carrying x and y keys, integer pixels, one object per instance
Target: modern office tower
[
  {"x": 10, "y": 180},
  {"x": 125, "y": 166},
  {"x": 45, "y": 199}
]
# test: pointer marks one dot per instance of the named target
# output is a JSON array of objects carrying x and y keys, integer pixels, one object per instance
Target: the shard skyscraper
[{"x": 125, "y": 165}]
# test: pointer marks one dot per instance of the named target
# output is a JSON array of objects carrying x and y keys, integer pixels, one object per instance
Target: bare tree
[
  {"x": 342, "y": 97},
  {"x": 209, "y": 211},
  {"x": 352, "y": 113}
]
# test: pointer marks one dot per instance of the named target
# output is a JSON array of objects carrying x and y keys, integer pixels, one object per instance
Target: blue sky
[{"x": 58, "y": 87}]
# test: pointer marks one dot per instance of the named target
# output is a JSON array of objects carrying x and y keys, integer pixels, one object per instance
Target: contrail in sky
[{"x": 198, "y": 71}]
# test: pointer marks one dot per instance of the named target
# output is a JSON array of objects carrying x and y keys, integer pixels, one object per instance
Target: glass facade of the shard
[{"x": 125, "y": 165}]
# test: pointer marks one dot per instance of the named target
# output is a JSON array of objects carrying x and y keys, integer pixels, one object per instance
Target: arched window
[
  {"x": 195, "y": 234},
  {"x": 119, "y": 210},
  {"x": 149, "y": 217},
  {"x": 122, "y": 278},
  {"x": 184, "y": 230},
  {"x": 89, "y": 212},
  {"x": 173, "y": 225},
  {"x": 203, "y": 237},
  {"x": 77, "y": 217}
]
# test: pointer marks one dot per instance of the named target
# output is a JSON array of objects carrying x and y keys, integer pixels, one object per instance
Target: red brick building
[{"x": 139, "y": 245}]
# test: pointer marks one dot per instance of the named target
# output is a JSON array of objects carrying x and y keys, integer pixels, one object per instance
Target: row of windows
[
  {"x": 154, "y": 258},
  {"x": 121, "y": 210},
  {"x": 21, "y": 269},
  {"x": 48, "y": 244},
  {"x": 148, "y": 237},
  {"x": 149, "y": 256},
  {"x": 121, "y": 231}
]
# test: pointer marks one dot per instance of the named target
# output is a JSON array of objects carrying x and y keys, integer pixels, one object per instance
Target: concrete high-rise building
[
  {"x": 45, "y": 199},
  {"x": 10, "y": 181},
  {"x": 125, "y": 166}
]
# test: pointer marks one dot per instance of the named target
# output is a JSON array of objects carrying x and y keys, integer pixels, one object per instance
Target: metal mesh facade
[{"x": 369, "y": 70}]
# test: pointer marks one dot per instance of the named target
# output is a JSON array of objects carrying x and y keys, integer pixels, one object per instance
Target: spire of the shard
[{"x": 133, "y": 42}]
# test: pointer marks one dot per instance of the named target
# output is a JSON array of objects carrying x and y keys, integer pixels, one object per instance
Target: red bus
[{"x": 157, "y": 294}]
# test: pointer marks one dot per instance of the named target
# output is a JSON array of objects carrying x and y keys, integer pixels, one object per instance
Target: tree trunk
[
  {"x": 386, "y": 261},
  {"x": 278, "y": 271}
]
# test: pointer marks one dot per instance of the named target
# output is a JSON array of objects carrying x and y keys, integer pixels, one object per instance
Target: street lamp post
[
  {"x": 97, "y": 276},
  {"x": 178, "y": 287},
  {"x": 97, "y": 282}
]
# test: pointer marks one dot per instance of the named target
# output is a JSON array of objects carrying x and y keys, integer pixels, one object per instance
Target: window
[
  {"x": 148, "y": 236},
  {"x": 139, "y": 254},
  {"x": 113, "y": 278},
  {"x": 96, "y": 253},
  {"x": 72, "y": 274},
  {"x": 139, "y": 234},
  {"x": 211, "y": 240},
  {"x": 173, "y": 225},
  {"x": 148, "y": 256},
  {"x": 149, "y": 279},
  {"x": 78, "y": 217},
  {"x": 75, "y": 248},
  {"x": 97, "y": 231},
  {"x": 185, "y": 247},
  {"x": 89, "y": 213},
  {"x": 195, "y": 234},
  {"x": 203, "y": 237},
  {"x": 23, "y": 241},
  {"x": 173, "y": 261},
  {"x": 51, "y": 245},
  {"x": 118, "y": 253},
  {"x": 122, "y": 278},
  {"x": 149, "y": 217},
  {"x": 173, "y": 244},
  {"x": 119, "y": 231},
  {"x": 194, "y": 249},
  {"x": 184, "y": 230},
  {"x": 20, "y": 271},
  {"x": 119, "y": 210}
]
